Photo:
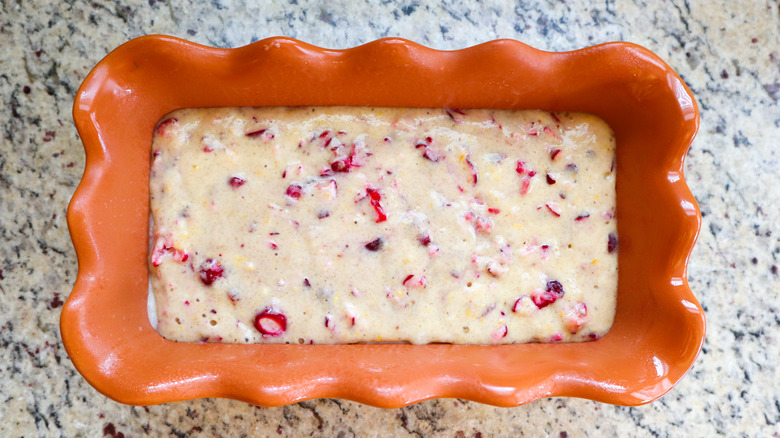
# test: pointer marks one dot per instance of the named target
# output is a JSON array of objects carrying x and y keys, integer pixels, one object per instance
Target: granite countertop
[{"x": 727, "y": 51}]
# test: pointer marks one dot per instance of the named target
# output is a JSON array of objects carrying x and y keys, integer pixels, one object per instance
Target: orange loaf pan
[{"x": 659, "y": 326}]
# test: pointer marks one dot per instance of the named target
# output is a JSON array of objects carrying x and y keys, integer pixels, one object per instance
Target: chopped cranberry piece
[
  {"x": 322, "y": 214},
  {"x": 526, "y": 185},
  {"x": 329, "y": 189},
  {"x": 556, "y": 287},
  {"x": 412, "y": 280},
  {"x": 612, "y": 243},
  {"x": 484, "y": 226},
  {"x": 236, "y": 182},
  {"x": 577, "y": 316},
  {"x": 376, "y": 197},
  {"x": 270, "y": 322},
  {"x": 432, "y": 155},
  {"x": 544, "y": 298},
  {"x": 452, "y": 116},
  {"x": 424, "y": 239},
  {"x": 256, "y": 133},
  {"x": 294, "y": 191},
  {"x": 500, "y": 333},
  {"x": 306, "y": 282},
  {"x": 556, "y": 337},
  {"x": 163, "y": 247},
  {"x": 492, "y": 210},
  {"x": 179, "y": 255},
  {"x": 341, "y": 165},
  {"x": 163, "y": 126},
  {"x": 210, "y": 270},
  {"x": 554, "y": 153},
  {"x": 555, "y": 117},
  {"x": 517, "y": 304},
  {"x": 273, "y": 245},
  {"x": 359, "y": 155},
  {"x": 375, "y": 245},
  {"x": 527, "y": 174},
  {"x": 582, "y": 217},
  {"x": 553, "y": 209},
  {"x": 474, "y": 177},
  {"x": 550, "y": 179},
  {"x": 496, "y": 269}
]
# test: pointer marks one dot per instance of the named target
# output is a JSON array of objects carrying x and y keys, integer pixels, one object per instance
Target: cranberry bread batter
[{"x": 348, "y": 224}]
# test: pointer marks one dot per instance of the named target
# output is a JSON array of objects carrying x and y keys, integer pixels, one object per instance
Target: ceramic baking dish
[{"x": 659, "y": 326}]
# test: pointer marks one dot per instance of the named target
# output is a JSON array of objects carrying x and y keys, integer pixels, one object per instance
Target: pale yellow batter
[{"x": 348, "y": 224}]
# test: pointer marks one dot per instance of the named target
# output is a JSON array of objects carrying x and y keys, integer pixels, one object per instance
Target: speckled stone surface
[{"x": 727, "y": 51}]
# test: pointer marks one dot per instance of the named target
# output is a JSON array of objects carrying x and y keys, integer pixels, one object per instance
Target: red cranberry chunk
[
  {"x": 499, "y": 333},
  {"x": 375, "y": 245},
  {"x": 474, "y": 177},
  {"x": 256, "y": 133},
  {"x": 210, "y": 270},
  {"x": 163, "y": 126},
  {"x": 553, "y": 291},
  {"x": 236, "y": 182},
  {"x": 432, "y": 155},
  {"x": 550, "y": 179},
  {"x": 612, "y": 243},
  {"x": 270, "y": 322},
  {"x": 342, "y": 165},
  {"x": 424, "y": 239},
  {"x": 555, "y": 287},
  {"x": 376, "y": 197},
  {"x": 294, "y": 191}
]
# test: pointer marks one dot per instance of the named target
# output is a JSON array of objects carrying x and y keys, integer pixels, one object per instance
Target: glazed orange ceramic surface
[{"x": 658, "y": 328}]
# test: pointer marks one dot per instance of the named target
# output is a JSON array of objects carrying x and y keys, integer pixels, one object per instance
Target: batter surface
[{"x": 350, "y": 224}]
